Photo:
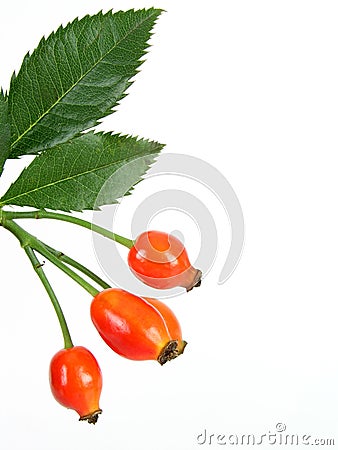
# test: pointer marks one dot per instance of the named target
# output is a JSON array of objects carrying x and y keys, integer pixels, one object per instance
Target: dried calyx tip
[
  {"x": 168, "y": 352},
  {"x": 171, "y": 351},
  {"x": 93, "y": 417},
  {"x": 184, "y": 344},
  {"x": 196, "y": 281}
]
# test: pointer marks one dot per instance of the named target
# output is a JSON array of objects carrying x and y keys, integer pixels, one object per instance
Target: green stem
[
  {"x": 72, "y": 262},
  {"x": 39, "y": 271},
  {"x": 60, "y": 265},
  {"x": 26, "y": 239},
  {"x": 42, "y": 214}
]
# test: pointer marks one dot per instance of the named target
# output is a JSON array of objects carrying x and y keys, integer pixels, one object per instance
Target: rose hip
[
  {"x": 76, "y": 382},
  {"x": 161, "y": 261},
  {"x": 135, "y": 327}
]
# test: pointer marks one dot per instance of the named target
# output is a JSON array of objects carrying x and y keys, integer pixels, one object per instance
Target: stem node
[{"x": 29, "y": 241}]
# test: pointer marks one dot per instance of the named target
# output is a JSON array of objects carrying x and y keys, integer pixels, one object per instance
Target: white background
[{"x": 250, "y": 87}]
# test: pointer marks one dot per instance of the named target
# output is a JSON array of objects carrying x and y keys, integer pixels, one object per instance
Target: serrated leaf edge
[{"x": 156, "y": 12}]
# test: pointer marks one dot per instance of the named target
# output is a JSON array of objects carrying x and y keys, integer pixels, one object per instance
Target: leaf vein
[{"x": 131, "y": 30}]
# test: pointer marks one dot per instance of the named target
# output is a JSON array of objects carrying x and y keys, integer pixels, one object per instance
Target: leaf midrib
[
  {"x": 79, "y": 80},
  {"x": 63, "y": 180}
]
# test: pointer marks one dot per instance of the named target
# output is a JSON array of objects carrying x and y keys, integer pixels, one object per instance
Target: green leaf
[
  {"x": 85, "y": 173},
  {"x": 5, "y": 130},
  {"x": 75, "y": 77}
]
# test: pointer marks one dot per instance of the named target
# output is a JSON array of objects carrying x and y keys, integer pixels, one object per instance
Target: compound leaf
[
  {"x": 84, "y": 173},
  {"x": 75, "y": 77}
]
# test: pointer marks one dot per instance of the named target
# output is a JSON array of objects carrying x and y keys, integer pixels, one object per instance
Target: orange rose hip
[{"x": 135, "y": 327}]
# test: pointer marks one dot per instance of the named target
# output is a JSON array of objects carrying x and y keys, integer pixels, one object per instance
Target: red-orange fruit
[
  {"x": 76, "y": 381},
  {"x": 135, "y": 327},
  {"x": 161, "y": 261}
]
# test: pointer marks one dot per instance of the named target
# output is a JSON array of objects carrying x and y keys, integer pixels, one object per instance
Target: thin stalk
[
  {"x": 41, "y": 274},
  {"x": 26, "y": 239},
  {"x": 60, "y": 265},
  {"x": 42, "y": 214},
  {"x": 72, "y": 262}
]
